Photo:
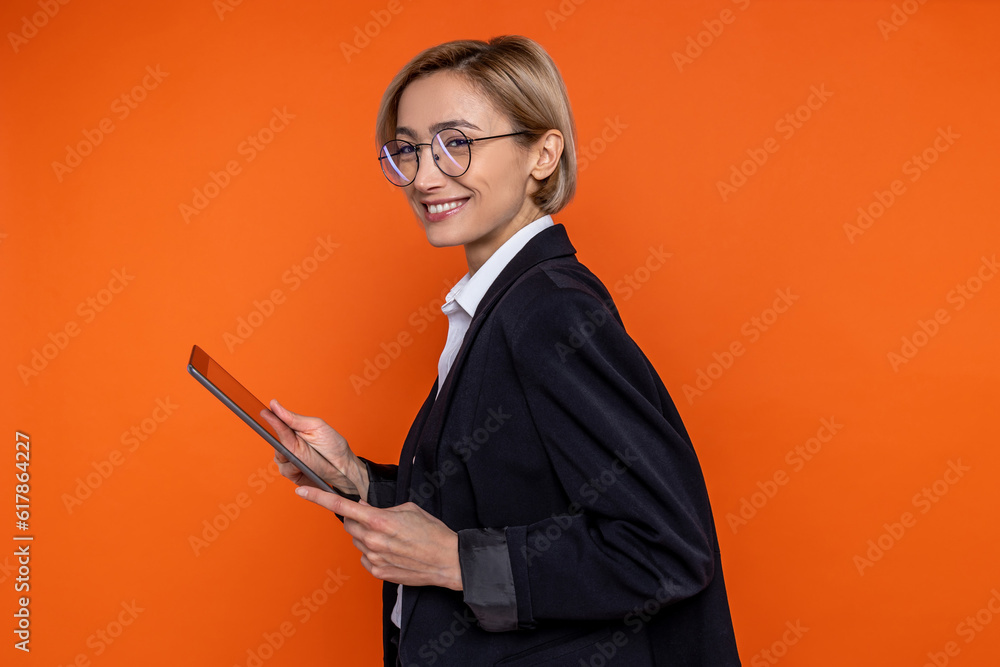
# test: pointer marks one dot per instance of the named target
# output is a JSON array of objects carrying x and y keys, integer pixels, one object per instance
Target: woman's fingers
[
  {"x": 402, "y": 544},
  {"x": 285, "y": 434},
  {"x": 281, "y": 411},
  {"x": 294, "y": 420},
  {"x": 291, "y": 441},
  {"x": 336, "y": 503}
]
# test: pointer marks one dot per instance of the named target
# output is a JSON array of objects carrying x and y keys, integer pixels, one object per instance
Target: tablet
[{"x": 247, "y": 407}]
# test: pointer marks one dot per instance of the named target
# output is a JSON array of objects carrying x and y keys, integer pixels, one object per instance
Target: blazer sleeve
[
  {"x": 638, "y": 526},
  {"x": 381, "y": 483}
]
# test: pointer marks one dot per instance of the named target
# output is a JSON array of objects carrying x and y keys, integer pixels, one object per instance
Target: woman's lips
[{"x": 451, "y": 208}]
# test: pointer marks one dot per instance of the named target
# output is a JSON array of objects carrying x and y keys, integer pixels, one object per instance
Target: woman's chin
[{"x": 442, "y": 238}]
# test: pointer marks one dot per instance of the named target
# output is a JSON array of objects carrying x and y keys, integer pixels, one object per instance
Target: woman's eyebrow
[{"x": 437, "y": 127}]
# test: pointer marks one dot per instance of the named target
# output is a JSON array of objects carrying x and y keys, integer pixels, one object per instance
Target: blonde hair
[{"x": 520, "y": 80}]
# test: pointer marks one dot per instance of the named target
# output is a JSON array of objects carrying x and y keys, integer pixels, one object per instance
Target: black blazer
[{"x": 585, "y": 531}]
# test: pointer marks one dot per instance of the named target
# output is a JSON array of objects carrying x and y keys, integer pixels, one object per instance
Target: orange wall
[{"x": 881, "y": 541}]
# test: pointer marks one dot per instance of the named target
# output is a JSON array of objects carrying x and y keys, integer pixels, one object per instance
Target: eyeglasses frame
[{"x": 471, "y": 140}]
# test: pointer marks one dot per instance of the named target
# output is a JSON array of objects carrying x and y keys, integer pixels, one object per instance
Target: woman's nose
[{"x": 428, "y": 177}]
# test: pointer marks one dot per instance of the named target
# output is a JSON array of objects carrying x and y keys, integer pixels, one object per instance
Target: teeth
[{"x": 441, "y": 208}]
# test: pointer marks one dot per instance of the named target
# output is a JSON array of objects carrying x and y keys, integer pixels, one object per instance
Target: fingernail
[{"x": 302, "y": 492}]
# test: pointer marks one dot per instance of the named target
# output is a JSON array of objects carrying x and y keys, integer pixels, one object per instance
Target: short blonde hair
[{"x": 520, "y": 80}]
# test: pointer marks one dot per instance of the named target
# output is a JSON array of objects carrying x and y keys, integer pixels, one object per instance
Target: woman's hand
[
  {"x": 320, "y": 447},
  {"x": 402, "y": 544}
]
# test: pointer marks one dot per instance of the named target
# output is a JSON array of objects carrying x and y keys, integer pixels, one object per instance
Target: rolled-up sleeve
[
  {"x": 381, "y": 483},
  {"x": 487, "y": 579}
]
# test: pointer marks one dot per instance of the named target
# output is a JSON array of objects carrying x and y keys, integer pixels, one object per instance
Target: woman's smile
[{"x": 436, "y": 210}]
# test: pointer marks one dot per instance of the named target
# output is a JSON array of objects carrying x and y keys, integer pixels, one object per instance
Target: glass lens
[
  {"x": 451, "y": 151},
  {"x": 399, "y": 161}
]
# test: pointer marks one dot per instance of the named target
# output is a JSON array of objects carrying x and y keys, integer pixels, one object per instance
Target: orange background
[{"x": 662, "y": 133}]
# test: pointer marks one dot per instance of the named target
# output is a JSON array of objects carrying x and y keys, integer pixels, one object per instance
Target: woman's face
[{"x": 493, "y": 196}]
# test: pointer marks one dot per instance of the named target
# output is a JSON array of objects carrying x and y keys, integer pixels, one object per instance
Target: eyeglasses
[{"x": 451, "y": 149}]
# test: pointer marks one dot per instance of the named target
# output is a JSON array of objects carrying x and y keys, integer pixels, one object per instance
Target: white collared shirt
[{"x": 460, "y": 305}]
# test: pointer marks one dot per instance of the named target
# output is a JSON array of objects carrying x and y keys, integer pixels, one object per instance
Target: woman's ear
[{"x": 546, "y": 153}]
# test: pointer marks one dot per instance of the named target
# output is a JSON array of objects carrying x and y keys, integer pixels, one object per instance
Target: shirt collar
[{"x": 469, "y": 291}]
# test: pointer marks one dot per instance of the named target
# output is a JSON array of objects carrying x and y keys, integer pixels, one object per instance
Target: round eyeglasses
[{"x": 451, "y": 149}]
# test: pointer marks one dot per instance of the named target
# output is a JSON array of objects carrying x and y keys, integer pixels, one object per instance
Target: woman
[{"x": 548, "y": 507}]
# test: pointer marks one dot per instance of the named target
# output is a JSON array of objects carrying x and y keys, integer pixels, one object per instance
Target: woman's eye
[
  {"x": 406, "y": 149},
  {"x": 457, "y": 143}
]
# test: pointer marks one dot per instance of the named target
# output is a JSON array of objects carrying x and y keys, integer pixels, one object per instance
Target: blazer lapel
[
  {"x": 405, "y": 469},
  {"x": 547, "y": 244}
]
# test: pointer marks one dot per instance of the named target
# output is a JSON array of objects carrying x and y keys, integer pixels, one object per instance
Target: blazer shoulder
[
  {"x": 560, "y": 280},
  {"x": 552, "y": 295}
]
